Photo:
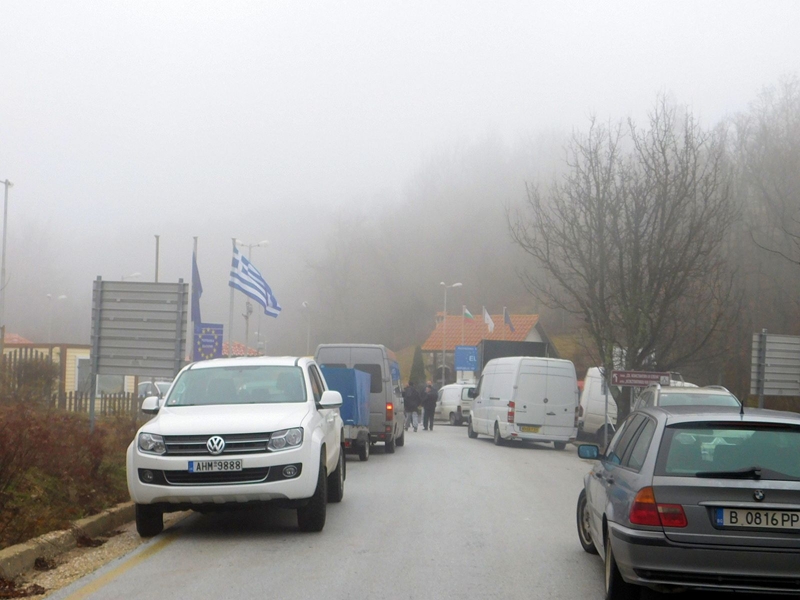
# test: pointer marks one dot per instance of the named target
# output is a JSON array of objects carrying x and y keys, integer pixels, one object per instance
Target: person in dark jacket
[
  {"x": 429, "y": 398},
  {"x": 411, "y": 402}
]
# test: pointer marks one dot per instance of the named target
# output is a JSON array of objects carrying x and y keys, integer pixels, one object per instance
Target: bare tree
[{"x": 631, "y": 240}]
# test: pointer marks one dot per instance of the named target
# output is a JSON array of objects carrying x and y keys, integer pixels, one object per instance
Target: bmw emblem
[
  {"x": 758, "y": 495},
  {"x": 215, "y": 444}
]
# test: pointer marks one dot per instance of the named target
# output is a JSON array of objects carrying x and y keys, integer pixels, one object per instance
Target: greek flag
[{"x": 248, "y": 280}]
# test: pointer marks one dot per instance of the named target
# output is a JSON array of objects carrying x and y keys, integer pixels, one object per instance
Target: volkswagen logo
[
  {"x": 758, "y": 495},
  {"x": 215, "y": 444}
]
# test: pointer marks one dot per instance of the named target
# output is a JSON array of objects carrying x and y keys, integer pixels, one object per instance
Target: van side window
[
  {"x": 479, "y": 387},
  {"x": 375, "y": 376},
  {"x": 465, "y": 394}
]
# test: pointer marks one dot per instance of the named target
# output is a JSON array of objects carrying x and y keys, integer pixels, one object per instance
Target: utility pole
[
  {"x": 3, "y": 281},
  {"x": 157, "y": 243}
]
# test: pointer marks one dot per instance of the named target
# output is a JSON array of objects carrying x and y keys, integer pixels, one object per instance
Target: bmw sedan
[{"x": 703, "y": 498}]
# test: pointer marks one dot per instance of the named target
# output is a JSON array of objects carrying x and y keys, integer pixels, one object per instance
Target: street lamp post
[
  {"x": 50, "y": 315},
  {"x": 444, "y": 324},
  {"x": 7, "y": 184}
]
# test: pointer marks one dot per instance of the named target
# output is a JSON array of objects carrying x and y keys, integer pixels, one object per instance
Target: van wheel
[
  {"x": 498, "y": 440},
  {"x": 390, "y": 446},
  {"x": 470, "y": 431},
  {"x": 616, "y": 587},
  {"x": 336, "y": 480},
  {"x": 453, "y": 420},
  {"x": 559, "y": 445},
  {"x": 149, "y": 520},
  {"x": 584, "y": 530},
  {"x": 401, "y": 441},
  {"x": 363, "y": 452},
  {"x": 311, "y": 517}
]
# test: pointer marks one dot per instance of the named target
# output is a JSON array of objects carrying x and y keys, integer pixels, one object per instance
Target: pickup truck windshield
[
  {"x": 725, "y": 451},
  {"x": 238, "y": 385}
]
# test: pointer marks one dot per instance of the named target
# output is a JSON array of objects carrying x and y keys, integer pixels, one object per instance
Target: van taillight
[
  {"x": 511, "y": 407},
  {"x": 389, "y": 411},
  {"x": 646, "y": 511}
]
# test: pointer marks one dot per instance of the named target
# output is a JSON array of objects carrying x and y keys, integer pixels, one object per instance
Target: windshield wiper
[{"x": 747, "y": 473}]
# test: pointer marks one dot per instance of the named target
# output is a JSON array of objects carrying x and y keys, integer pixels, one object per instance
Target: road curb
[{"x": 17, "y": 559}]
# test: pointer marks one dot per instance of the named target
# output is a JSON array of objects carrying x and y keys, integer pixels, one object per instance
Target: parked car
[
  {"x": 386, "y": 412},
  {"x": 454, "y": 404},
  {"x": 592, "y": 411},
  {"x": 526, "y": 398},
  {"x": 239, "y": 431},
  {"x": 712, "y": 395},
  {"x": 702, "y": 498},
  {"x": 146, "y": 389}
]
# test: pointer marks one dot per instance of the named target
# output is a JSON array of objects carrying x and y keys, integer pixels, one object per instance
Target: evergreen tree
[{"x": 417, "y": 376}]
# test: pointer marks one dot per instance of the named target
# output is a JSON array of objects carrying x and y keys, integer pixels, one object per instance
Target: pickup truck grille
[
  {"x": 256, "y": 475},
  {"x": 235, "y": 443}
]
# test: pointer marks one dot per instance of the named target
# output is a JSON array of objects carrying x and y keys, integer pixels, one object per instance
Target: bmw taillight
[
  {"x": 646, "y": 511},
  {"x": 511, "y": 407},
  {"x": 389, "y": 411}
]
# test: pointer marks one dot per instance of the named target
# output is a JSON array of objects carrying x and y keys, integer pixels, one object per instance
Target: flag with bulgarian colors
[{"x": 466, "y": 313}]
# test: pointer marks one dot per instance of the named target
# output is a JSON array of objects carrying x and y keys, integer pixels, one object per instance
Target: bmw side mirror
[
  {"x": 151, "y": 405},
  {"x": 589, "y": 451},
  {"x": 330, "y": 399}
]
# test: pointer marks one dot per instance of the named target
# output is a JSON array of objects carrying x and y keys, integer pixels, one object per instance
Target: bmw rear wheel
[{"x": 616, "y": 587}]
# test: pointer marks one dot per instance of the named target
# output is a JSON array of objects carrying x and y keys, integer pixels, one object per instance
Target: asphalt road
[{"x": 443, "y": 517}]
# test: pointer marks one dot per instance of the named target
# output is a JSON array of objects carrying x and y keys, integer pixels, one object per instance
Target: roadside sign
[
  {"x": 775, "y": 366},
  {"x": 639, "y": 378},
  {"x": 466, "y": 358}
]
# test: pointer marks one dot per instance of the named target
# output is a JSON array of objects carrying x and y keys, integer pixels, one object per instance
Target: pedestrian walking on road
[
  {"x": 411, "y": 402},
  {"x": 429, "y": 398}
]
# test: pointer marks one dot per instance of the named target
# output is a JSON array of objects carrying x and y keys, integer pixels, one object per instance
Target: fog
[{"x": 321, "y": 125}]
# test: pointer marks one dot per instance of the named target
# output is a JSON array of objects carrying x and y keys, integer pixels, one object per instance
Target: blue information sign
[
  {"x": 466, "y": 358},
  {"x": 207, "y": 341}
]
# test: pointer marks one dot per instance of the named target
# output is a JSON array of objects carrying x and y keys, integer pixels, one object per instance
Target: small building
[{"x": 457, "y": 330}]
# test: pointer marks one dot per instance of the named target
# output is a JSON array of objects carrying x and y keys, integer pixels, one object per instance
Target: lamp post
[
  {"x": 50, "y": 315},
  {"x": 444, "y": 324},
  {"x": 248, "y": 306},
  {"x": 7, "y": 184},
  {"x": 307, "y": 308}
]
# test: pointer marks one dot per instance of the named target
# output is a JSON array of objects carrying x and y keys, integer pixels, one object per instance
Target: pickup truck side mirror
[
  {"x": 330, "y": 399},
  {"x": 151, "y": 405}
]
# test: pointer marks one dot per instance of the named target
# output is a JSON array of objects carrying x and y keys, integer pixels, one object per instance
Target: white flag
[{"x": 488, "y": 320}]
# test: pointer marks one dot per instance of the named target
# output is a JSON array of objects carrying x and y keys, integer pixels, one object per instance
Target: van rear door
[
  {"x": 562, "y": 398},
  {"x": 529, "y": 399},
  {"x": 371, "y": 360}
]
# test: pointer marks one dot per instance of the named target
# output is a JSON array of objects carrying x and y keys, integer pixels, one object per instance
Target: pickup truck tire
[
  {"x": 390, "y": 446},
  {"x": 401, "y": 441},
  {"x": 149, "y": 520},
  {"x": 363, "y": 452},
  {"x": 311, "y": 517},
  {"x": 336, "y": 480},
  {"x": 470, "y": 431}
]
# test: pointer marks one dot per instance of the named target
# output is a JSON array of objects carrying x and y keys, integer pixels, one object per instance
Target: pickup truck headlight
[
  {"x": 152, "y": 443},
  {"x": 285, "y": 439}
]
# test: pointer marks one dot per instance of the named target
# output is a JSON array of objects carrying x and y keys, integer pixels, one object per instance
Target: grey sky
[{"x": 120, "y": 120}]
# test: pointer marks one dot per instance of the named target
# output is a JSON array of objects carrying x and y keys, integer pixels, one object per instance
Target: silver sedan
[{"x": 704, "y": 498}]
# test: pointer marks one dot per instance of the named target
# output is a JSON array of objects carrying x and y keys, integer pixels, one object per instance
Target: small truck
[{"x": 353, "y": 385}]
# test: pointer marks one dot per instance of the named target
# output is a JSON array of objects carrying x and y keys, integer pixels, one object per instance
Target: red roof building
[{"x": 238, "y": 350}]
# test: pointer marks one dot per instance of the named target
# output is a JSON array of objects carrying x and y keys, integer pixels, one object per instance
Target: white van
[
  {"x": 592, "y": 412},
  {"x": 386, "y": 415},
  {"x": 454, "y": 403},
  {"x": 526, "y": 398}
]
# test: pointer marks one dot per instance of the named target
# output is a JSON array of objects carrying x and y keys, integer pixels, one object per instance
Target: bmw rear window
[{"x": 730, "y": 451}]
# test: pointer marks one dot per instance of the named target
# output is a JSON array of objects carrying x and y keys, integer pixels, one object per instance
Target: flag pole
[
  {"x": 463, "y": 308},
  {"x": 190, "y": 333},
  {"x": 230, "y": 314},
  {"x": 504, "y": 323}
]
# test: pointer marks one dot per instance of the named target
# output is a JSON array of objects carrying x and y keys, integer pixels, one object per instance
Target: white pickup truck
[{"x": 237, "y": 431}]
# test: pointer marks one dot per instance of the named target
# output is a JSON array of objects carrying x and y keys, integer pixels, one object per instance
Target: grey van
[{"x": 386, "y": 415}]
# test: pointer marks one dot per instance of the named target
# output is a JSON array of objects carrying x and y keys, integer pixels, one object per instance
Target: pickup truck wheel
[
  {"x": 363, "y": 452},
  {"x": 311, "y": 517},
  {"x": 336, "y": 480},
  {"x": 390, "y": 446},
  {"x": 453, "y": 420},
  {"x": 401, "y": 441},
  {"x": 149, "y": 520},
  {"x": 470, "y": 431}
]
